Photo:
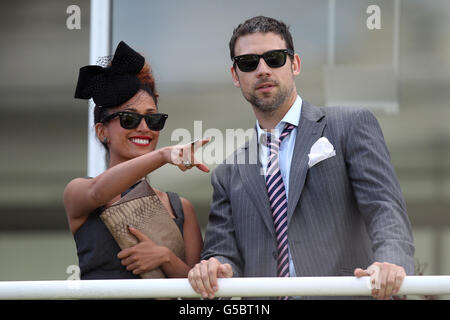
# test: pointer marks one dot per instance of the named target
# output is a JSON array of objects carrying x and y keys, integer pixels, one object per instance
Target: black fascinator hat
[{"x": 115, "y": 84}]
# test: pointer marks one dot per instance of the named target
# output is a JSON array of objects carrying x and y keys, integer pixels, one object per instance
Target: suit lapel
[
  {"x": 254, "y": 182},
  {"x": 311, "y": 126}
]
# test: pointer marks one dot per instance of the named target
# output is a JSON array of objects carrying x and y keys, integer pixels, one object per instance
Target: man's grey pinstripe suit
[{"x": 345, "y": 212}]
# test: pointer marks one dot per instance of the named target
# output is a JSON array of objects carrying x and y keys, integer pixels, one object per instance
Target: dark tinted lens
[
  {"x": 275, "y": 59},
  {"x": 156, "y": 121},
  {"x": 248, "y": 62},
  {"x": 130, "y": 120}
]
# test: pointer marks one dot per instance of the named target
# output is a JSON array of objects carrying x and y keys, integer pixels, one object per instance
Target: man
[{"x": 335, "y": 209}]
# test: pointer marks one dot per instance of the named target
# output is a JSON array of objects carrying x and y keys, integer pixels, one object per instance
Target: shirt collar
[{"x": 291, "y": 117}]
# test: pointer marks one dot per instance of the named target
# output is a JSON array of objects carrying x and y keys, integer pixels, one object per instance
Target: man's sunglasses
[
  {"x": 273, "y": 58},
  {"x": 131, "y": 120}
]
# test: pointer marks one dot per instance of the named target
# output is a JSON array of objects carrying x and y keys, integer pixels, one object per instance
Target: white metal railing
[{"x": 232, "y": 287}]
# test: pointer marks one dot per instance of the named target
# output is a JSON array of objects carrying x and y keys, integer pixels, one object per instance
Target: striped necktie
[{"x": 278, "y": 200}]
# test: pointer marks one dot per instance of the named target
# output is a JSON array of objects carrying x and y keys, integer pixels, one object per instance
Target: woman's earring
[{"x": 105, "y": 140}]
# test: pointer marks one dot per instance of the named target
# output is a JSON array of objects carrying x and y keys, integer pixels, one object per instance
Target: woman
[{"x": 127, "y": 123}]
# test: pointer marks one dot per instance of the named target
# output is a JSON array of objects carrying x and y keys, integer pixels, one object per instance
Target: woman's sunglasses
[
  {"x": 273, "y": 58},
  {"x": 131, "y": 120}
]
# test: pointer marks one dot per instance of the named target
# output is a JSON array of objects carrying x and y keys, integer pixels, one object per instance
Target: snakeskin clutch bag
[{"x": 142, "y": 209}]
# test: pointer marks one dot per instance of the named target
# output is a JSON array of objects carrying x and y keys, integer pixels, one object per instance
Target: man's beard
[{"x": 269, "y": 104}]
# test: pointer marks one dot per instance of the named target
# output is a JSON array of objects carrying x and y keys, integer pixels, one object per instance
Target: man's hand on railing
[
  {"x": 203, "y": 277},
  {"x": 386, "y": 279}
]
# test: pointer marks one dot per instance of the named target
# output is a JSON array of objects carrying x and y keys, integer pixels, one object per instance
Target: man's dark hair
[{"x": 264, "y": 25}]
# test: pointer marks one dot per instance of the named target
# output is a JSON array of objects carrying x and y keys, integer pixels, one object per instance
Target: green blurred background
[{"x": 43, "y": 130}]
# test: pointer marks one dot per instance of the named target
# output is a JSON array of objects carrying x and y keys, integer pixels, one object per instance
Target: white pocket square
[{"x": 322, "y": 149}]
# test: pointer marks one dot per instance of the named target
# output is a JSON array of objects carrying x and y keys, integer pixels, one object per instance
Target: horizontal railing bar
[{"x": 232, "y": 287}]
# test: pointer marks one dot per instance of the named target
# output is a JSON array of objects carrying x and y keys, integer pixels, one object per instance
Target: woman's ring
[{"x": 187, "y": 164}]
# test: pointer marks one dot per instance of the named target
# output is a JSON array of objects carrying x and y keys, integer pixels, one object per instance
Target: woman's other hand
[{"x": 144, "y": 256}]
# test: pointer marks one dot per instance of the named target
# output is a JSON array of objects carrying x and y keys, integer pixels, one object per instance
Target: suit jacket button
[{"x": 275, "y": 255}]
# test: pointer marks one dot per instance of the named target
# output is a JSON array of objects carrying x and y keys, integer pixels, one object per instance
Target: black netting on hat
[
  {"x": 113, "y": 85},
  {"x": 104, "y": 61}
]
